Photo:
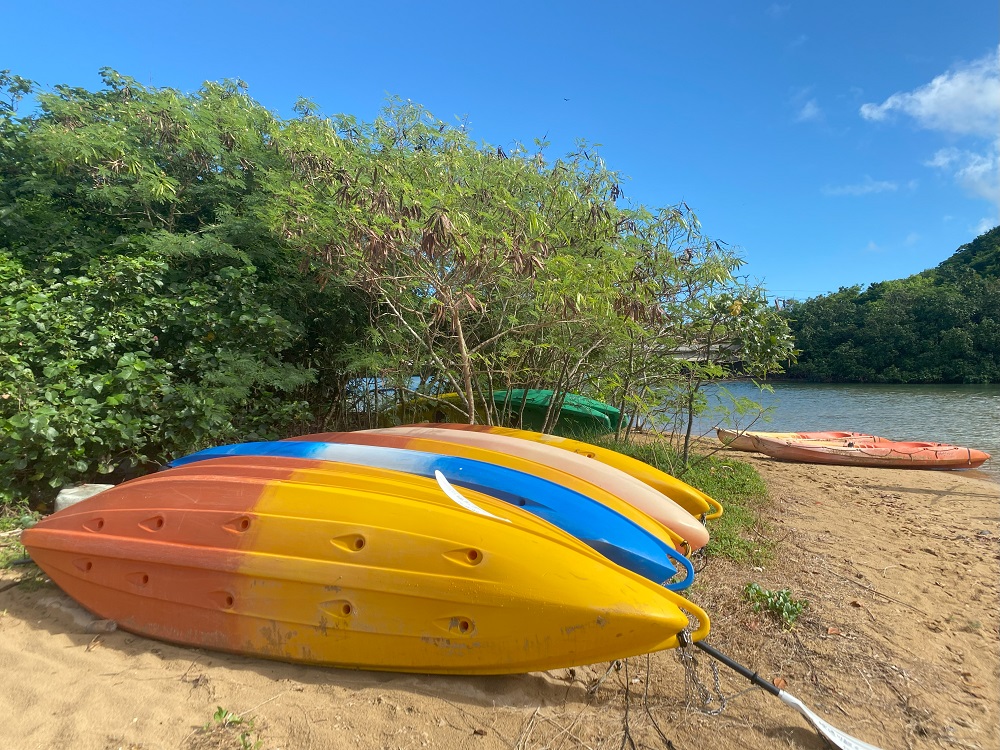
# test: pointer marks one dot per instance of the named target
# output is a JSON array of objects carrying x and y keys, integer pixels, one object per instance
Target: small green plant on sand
[
  {"x": 779, "y": 604},
  {"x": 229, "y": 730},
  {"x": 226, "y": 718}
]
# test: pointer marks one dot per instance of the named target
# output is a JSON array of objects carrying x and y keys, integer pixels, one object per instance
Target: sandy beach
[{"x": 899, "y": 646}]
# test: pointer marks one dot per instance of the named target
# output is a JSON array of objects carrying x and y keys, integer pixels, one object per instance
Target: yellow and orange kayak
[
  {"x": 618, "y": 483},
  {"x": 693, "y": 500},
  {"x": 333, "y": 564}
]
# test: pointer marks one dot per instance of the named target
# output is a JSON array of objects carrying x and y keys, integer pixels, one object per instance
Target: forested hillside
[
  {"x": 938, "y": 326},
  {"x": 182, "y": 269}
]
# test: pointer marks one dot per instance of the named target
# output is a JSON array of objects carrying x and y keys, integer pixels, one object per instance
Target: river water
[{"x": 966, "y": 415}]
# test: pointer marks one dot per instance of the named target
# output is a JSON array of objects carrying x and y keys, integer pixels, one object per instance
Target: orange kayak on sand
[{"x": 869, "y": 451}]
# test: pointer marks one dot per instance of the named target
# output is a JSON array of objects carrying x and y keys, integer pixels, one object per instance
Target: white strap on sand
[
  {"x": 463, "y": 501},
  {"x": 834, "y": 735}
]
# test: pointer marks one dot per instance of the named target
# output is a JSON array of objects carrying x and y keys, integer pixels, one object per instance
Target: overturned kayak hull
[
  {"x": 578, "y": 415},
  {"x": 288, "y": 559},
  {"x": 865, "y": 451},
  {"x": 568, "y": 511}
]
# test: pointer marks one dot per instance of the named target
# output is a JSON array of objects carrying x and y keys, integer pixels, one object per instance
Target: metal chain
[
  {"x": 695, "y": 691},
  {"x": 699, "y": 560}
]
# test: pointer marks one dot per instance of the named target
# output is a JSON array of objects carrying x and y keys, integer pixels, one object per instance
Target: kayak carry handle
[
  {"x": 683, "y": 562},
  {"x": 716, "y": 508},
  {"x": 692, "y": 610}
]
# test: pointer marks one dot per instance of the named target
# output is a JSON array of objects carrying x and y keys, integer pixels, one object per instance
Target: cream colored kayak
[
  {"x": 744, "y": 440},
  {"x": 613, "y": 480},
  {"x": 693, "y": 500}
]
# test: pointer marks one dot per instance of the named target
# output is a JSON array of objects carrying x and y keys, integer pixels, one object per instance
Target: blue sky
[{"x": 832, "y": 143}]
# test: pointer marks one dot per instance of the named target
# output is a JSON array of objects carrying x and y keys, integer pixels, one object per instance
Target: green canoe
[{"x": 579, "y": 417}]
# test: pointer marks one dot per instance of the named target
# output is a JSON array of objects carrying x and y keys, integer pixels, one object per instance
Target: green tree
[
  {"x": 938, "y": 326},
  {"x": 145, "y": 301}
]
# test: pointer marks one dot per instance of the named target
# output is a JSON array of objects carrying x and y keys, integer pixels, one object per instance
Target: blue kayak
[{"x": 617, "y": 538}]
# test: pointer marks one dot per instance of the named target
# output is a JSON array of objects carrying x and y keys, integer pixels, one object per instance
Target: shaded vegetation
[
  {"x": 938, "y": 326},
  {"x": 14, "y": 519}
]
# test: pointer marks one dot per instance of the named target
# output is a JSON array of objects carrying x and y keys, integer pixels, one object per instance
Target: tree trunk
[
  {"x": 692, "y": 389},
  {"x": 466, "y": 367}
]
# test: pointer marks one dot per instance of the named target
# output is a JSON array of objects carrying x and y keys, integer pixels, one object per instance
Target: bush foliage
[{"x": 179, "y": 269}]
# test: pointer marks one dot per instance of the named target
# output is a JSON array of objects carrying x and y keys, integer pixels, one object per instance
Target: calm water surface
[{"x": 966, "y": 415}]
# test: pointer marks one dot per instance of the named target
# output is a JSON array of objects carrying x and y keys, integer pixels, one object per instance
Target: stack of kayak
[
  {"x": 854, "y": 449},
  {"x": 424, "y": 548}
]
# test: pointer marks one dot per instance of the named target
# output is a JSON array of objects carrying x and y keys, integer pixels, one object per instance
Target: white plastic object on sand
[{"x": 72, "y": 495}]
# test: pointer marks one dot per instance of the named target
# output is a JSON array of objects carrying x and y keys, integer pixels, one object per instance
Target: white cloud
[
  {"x": 943, "y": 159},
  {"x": 866, "y": 187},
  {"x": 985, "y": 224},
  {"x": 911, "y": 239},
  {"x": 809, "y": 111},
  {"x": 964, "y": 101},
  {"x": 980, "y": 175},
  {"x": 777, "y": 10},
  {"x": 977, "y": 173},
  {"x": 798, "y": 41}
]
